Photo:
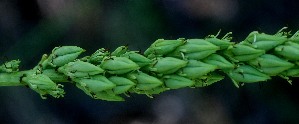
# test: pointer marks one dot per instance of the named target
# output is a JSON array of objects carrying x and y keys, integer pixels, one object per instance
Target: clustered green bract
[{"x": 165, "y": 65}]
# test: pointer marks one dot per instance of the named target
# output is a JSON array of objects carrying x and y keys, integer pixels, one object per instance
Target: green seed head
[{"x": 166, "y": 65}]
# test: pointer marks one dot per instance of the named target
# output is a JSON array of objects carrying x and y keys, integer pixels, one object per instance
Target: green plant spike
[{"x": 165, "y": 65}]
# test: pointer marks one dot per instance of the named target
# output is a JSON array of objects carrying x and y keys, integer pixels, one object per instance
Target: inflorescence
[{"x": 165, "y": 65}]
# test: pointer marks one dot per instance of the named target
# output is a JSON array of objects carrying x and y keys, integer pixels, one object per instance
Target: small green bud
[
  {"x": 63, "y": 55},
  {"x": 271, "y": 64},
  {"x": 54, "y": 76},
  {"x": 144, "y": 81},
  {"x": 195, "y": 49},
  {"x": 295, "y": 38},
  {"x": 11, "y": 66},
  {"x": 289, "y": 50},
  {"x": 122, "y": 84},
  {"x": 162, "y": 47},
  {"x": 293, "y": 72},
  {"x": 98, "y": 56},
  {"x": 196, "y": 69},
  {"x": 223, "y": 43},
  {"x": 219, "y": 61},
  {"x": 157, "y": 90},
  {"x": 43, "y": 85},
  {"x": 176, "y": 82},
  {"x": 137, "y": 58},
  {"x": 79, "y": 69},
  {"x": 264, "y": 41},
  {"x": 168, "y": 65},
  {"x": 108, "y": 96},
  {"x": 94, "y": 84},
  {"x": 244, "y": 53},
  {"x": 149, "y": 93},
  {"x": 208, "y": 80},
  {"x": 119, "y": 65},
  {"x": 247, "y": 74},
  {"x": 119, "y": 51}
]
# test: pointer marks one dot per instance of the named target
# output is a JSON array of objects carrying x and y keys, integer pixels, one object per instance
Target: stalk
[{"x": 165, "y": 65}]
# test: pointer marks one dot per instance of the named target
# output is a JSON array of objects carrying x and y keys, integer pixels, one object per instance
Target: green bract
[
  {"x": 289, "y": 50},
  {"x": 145, "y": 81},
  {"x": 195, "y": 49},
  {"x": 11, "y": 66},
  {"x": 264, "y": 41},
  {"x": 223, "y": 43},
  {"x": 219, "y": 61},
  {"x": 94, "y": 84},
  {"x": 247, "y": 74},
  {"x": 119, "y": 51},
  {"x": 168, "y": 65},
  {"x": 79, "y": 69},
  {"x": 122, "y": 84},
  {"x": 244, "y": 53},
  {"x": 162, "y": 47},
  {"x": 63, "y": 55},
  {"x": 165, "y": 65},
  {"x": 43, "y": 85},
  {"x": 119, "y": 65},
  {"x": 295, "y": 38},
  {"x": 98, "y": 56},
  {"x": 196, "y": 69},
  {"x": 208, "y": 80},
  {"x": 140, "y": 60},
  {"x": 293, "y": 72},
  {"x": 176, "y": 82},
  {"x": 271, "y": 64}
]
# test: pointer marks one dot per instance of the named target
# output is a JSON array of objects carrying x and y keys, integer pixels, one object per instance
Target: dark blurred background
[{"x": 31, "y": 28}]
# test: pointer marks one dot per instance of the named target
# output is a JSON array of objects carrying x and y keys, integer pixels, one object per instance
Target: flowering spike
[{"x": 165, "y": 65}]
